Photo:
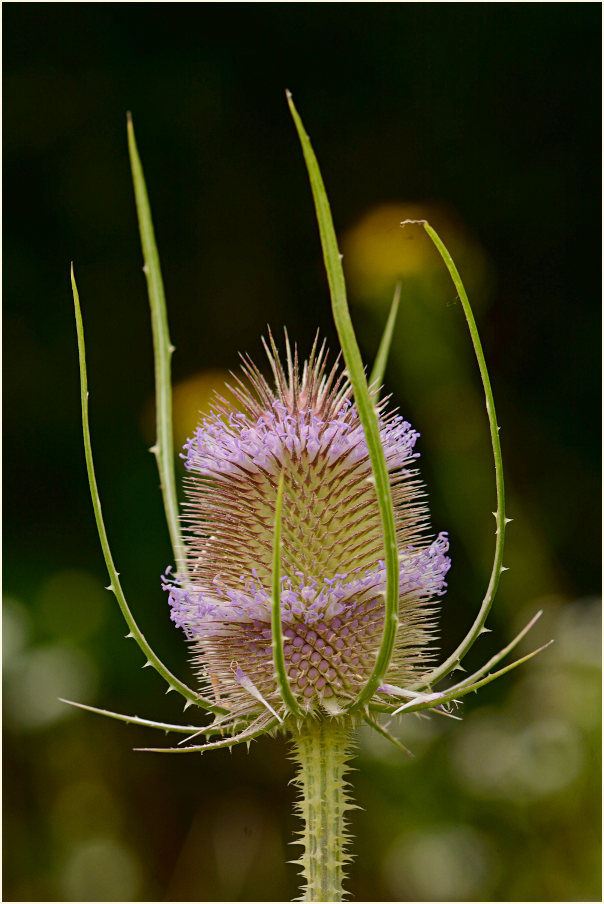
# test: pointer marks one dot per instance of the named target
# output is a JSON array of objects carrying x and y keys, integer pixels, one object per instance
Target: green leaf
[
  {"x": 381, "y": 359},
  {"x": 277, "y": 642},
  {"x": 162, "y": 353},
  {"x": 458, "y": 654},
  {"x": 115, "y": 585},
  {"x": 365, "y": 406}
]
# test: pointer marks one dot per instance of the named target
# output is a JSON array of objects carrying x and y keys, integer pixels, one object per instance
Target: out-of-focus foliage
[
  {"x": 503, "y": 790},
  {"x": 482, "y": 118}
]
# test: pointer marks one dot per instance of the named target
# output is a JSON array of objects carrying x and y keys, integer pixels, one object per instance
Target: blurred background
[{"x": 483, "y": 118}]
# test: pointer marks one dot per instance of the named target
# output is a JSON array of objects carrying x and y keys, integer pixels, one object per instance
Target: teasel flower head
[{"x": 302, "y": 429}]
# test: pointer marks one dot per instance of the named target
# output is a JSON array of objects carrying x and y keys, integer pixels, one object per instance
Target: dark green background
[{"x": 486, "y": 114}]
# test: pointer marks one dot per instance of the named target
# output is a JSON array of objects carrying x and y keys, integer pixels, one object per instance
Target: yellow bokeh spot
[
  {"x": 192, "y": 400},
  {"x": 378, "y": 252}
]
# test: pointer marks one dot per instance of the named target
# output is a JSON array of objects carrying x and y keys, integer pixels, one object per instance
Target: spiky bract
[{"x": 333, "y": 577}]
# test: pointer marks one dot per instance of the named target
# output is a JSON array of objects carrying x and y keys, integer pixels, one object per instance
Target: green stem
[{"x": 321, "y": 750}]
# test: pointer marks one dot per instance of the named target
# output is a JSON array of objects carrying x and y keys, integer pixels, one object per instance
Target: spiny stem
[{"x": 322, "y": 749}]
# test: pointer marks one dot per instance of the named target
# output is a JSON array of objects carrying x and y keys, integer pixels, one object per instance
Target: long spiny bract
[
  {"x": 115, "y": 586},
  {"x": 163, "y": 448},
  {"x": 260, "y": 726},
  {"x": 368, "y": 414}
]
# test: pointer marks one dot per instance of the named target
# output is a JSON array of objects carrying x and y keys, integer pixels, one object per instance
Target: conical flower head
[{"x": 333, "y": 578}]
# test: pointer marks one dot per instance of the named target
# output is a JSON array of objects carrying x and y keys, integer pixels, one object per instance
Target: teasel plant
[{"x": 304, "y": 577}]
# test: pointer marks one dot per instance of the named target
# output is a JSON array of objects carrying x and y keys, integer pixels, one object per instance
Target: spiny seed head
[{"x": 333, "y": 575}]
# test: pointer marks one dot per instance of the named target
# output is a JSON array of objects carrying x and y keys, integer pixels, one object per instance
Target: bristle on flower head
[{"x": 333, "y": 576}]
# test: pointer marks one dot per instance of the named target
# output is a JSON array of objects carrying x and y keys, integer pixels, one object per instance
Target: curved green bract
[
  {"x": 162, "y": 354},
  {"x": 498, "y": 656},
  {"x": 115, "y": 585},
  {"x": 454, "y": 693},
  {"x": 218, "y": 726},
  {"x": 471, "y": 679},
  {"x": 458, "y": 654},
  {"x": 386, "y": 734},
  {"x": 376, "y": 378},
  {"x": 257, "y": 728},
  {"x": 135, "y": 720},
  {"x": 365, "y": 407},
  {"x": 277, "y": 632}
]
